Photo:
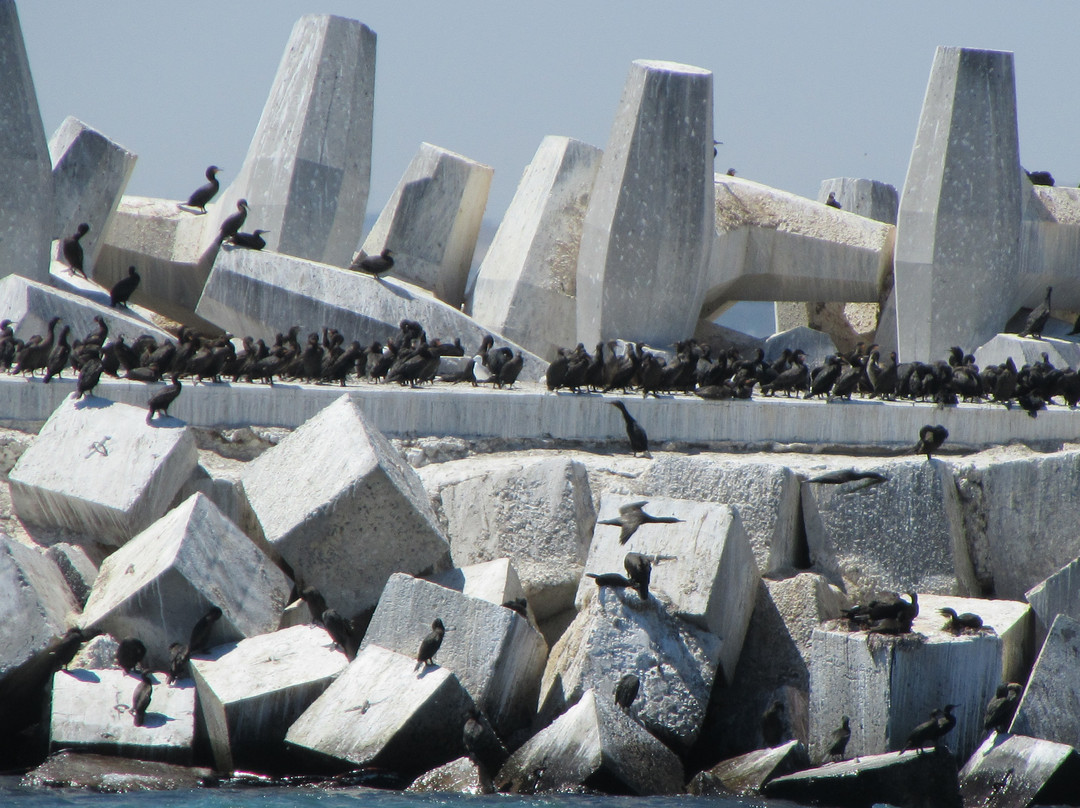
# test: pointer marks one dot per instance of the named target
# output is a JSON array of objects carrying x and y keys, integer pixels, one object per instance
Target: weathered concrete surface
[
  {"x": 870, "y": 198},
  {"x": 1054, "y": 682},
  {"x": 1062, "y": 352},
  {"x": 362, "y": 515},
  {"x": 537, "y": 512},
  {"x": 98, "y": 468},
  {"x": 432, "y": 221},
  {"x": 846, "y": 324},
  {"x": 26, "y": 217},
  {"x": 765, "y": 494},
  {"x": 649, "y": 225},
  {"x": 159, "y": 584},
  {"x": 308, "y": 168},
  {"x": 494, "y": 581},
  {"x": 220, "y": 481},
  {"x": 616, "y": 633},
  {"x": 250, "y": 292},
  {"x": 89, "y": 173},
  {"x": 252, "y": 691},
  {"x": 705, "y": 572},
  {"x": 747, "y": 774},
  {"x": 460, "y": 776},
  {"x": 91, "y": 713},
  {"x": 906, "y": 779},
  {"x": 816, "y": 344},
  {"x": 909, "y": 676},
  {"x": 526, "y": 286},
  {"x": 593, "y": 740},
  {"x": 1049, "y": 241},
  {"x": 958, "y": 226},
  {"x": 78, "y": 569},
  {"x": 108, "y": 773},
  {"x": 775, "y": 245},
  {"x": 1013, "y": 770},
  {"x": 905, "y": 534},
  {"x": 495, "y": 653},
  {"x": 1058, "y": 594},
  {"x": 381, "y": 712}
]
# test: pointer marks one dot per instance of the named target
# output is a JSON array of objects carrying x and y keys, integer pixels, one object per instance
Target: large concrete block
[
  {"x": 747, "y": 774},
  {"x": 765, "y": 494},
  {"x": 593, "y": 740},
  {"x": 78, "y": 569},
  {"x": 381, "y": 712},
  {"x": 870, "y": 198},
  {"x": 252, "y": 691},
  {"x": 888, "y": 685},
  {"x": 252, "y": 292},
  {"x": 775, "y": 245},
  {"x": 817, "y": 345},
  {"x": 90, "y": 173},
  {"x": 1058, "y": 594},
  {"x": 527, "y": 283},
  {"x": 1061, "y": 353},
  {"x": 707, "y": 577},
  {"x": 460, "y": 776},
  {"x": 354, "y": 518},
  {"x": 1020, "y": 771},
  {"x": 26, "y": 217},
  {"x": 98, "y": 468},
  {"x": 906, "y": 533},
  {"x": 1054, "y": 682},
  {"x": 91, "y": 713},
  {"x": 494, "y": 581},
  {"x": 649, "y": 225},
  {"x": 432, "y": 220},
  {"x": 958, "y": 226},
  {"x": 536, "y": 511},
  {"x": 495, "y": 653},
  {"x": 307, "y": 171},
  {"x": 108, "y": 773},
  {"x": 616, "y": 634},
  {"x": 159, "y": 584},
  {"x": 1049, "y": 244}
]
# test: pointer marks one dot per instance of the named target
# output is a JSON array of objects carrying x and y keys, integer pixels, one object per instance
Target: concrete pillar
[
  {"x": 649, "y": 226},
  {"x": 527, "y": 282},
  {"x": 26, "y": 205},
  {"x": 958, "y": 227},
  {"x": 432, "y": 221},
  {"x": 870, "y": 198}
]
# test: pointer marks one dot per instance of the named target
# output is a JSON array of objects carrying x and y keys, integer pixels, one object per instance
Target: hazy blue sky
[{"x": 803, "y": 91}]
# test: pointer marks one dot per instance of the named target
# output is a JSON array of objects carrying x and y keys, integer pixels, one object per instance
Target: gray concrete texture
[
  {"x": 1054, "y": 683},
  {"x": 870, "y": 198}
]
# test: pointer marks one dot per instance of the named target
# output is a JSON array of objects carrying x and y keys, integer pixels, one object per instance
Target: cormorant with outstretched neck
[
  {"x": 613, "y": 579},
  {"x": 72, "y": 250},
  {"x": 59, "y": 356},
  {"x": 62, "y": 651},
  {"x": 124, "y": 288},
  {"x": 140, "y": 699},
  {"x": 632, "y": 516},
  {"x": 160, "y": 402},
  {"x": 129, "y": 653},
  {"x": 232, "y": 224},
  {"x": 430, "y": 645},
  {"x": 1036, "y": 321},
  {"x": 639, "y": 441},
  {"x": 930, "y": 439},
  {"x": 204, "y": 193},
  {"x": 249, "y": 241},
  {"x": 199, "y": 641},
  {"x": 627, "y": 690},
  {"x": 374, "y": 265}
]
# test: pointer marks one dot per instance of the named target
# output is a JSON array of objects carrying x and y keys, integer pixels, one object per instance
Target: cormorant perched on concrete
[
  {"x": 430, "y": 645},
  {"x": 58, "y": 356},
  {"x": 639, "y": 571},
  {"x": 232, "y": 224},
  {"x": 930, "y": 732},
  {"x": 123, "y": 289},
  {"x": 614, "y": 579},
  {"x": 34, "y": 356},
  {"x": 199, "y": 641},
  {"x": 557, "y": 370},
  {"x": 930, "y": 439},
  {"x": 63, "y": 650},
  {"x": 839, "y": 740},
  {"x": 338, "y": 629},
  {"x": 178, "y": 662},
  {"x": 249, "y": 241},
  {"x": 140, "y": 699},
  {"x": 204, "y": 193},
  {"x": 1002, "y": 708},
  {"x": 483, "y": 745},
  {"x": 631, "y": 517},
  {"x": 374, "y": 265},
  {"x": 772, "y": 724},
  {"x": 957, "y": 623},
  {"x": 160, "y": 402},
  {"x": 509, "y": 372},
  {"x": 1036, "y": 321},
  {"x": 893, "y": 608},
  {"x": 316, "y": 603},
  {"x": 72, "y": 250},
  {"x": 627, "y": 690},
  {"x": 639, "y": 441},
  {"x": 831, "y": 201},
  {"x": 129, "y": 653},
  {"x": 519, "y": 605}
]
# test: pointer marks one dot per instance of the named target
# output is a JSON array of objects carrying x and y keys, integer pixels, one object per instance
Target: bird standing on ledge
[
  {"x": 374, "y": 265},
  {"x": 204, "y": 193},
  {"x": 639, "y": 441}
]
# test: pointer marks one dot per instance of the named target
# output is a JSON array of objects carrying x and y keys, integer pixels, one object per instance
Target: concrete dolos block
[
  {"x": 958, "y": 227},
  {"x": 432, "y": 221},
  {"x": 527, "y": 283},
  {"x": 158, "y": 585},
  {"x": 649, "y": 225},
  {"x": 307, "y": 171},
  {"x": 98, "y": 468},
  {"x": 344, "y": 520}
]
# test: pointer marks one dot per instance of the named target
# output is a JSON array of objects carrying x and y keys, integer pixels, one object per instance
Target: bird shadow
[
  {"x": 92, "y": 402},
  {"x": 426, "y": 669},
  {"x": 155, "y": 720},
  {"x": 165, "y": 422},
  {"x": 83, "y": 675}
]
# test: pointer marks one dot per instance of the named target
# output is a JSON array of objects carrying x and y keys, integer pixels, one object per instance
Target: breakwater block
[
  {"x": 1013, "y": 770},
  {"x": 1052, "y": 683},
  {"x": 362, "y": 515},
  {"x": 91, "y": 712},
  {"x": 494, "y": 652},
  {"x": 460, "y": 776},
  {"x": 383, "y": 711},
  {"x": 747, "y": 774},
  {"x": 252, "y": 691},
  {"x": 617, "y": 633},
  {"x": 536, "y": 511},
  {"x": 98, "y": 468},
  {"x": 703, "y": 567},
  {"x": 593, "y": 741},
  {"x": 158, "y": 585},
  {"x": 494, "y": 581},
  {"x": 78, "y": 570}
]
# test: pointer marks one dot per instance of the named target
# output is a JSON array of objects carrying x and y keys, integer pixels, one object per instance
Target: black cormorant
[
  {"x": 374, "y": 265},
  {"x": 957, "y": 623},
  {"x": 338, "y": 629},
  {"x": 930, "y": 439},
  {"x": 631, "y": 517},
  {"x": 204, "y": 193},
  {"x": 1036, "y": 321},
  {"x": 123, "y": 289},
  {"x": 160, "y": 402},
  {"x": 831, "y": 201},
  {"x": 838, "y": 741},
  {"x": 140, "y": 699},
  {"x": 178, "y": 662},
  {"x": 627, "y": 690},
  {"x": 129, "y": 653},
  {"x": 232, "y": 224},
  {"x": 1002, "y": 708},
  {"x": 639, "y": 441},
  {"x": 72, "y": 250},
  {"x": 249, "y": 241},
  {"x": 430, "y": 645},
  {"x": 199, "y": 641},
  {"x": 772, "y": 724},
  {"x": 639, "y": 571}
]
